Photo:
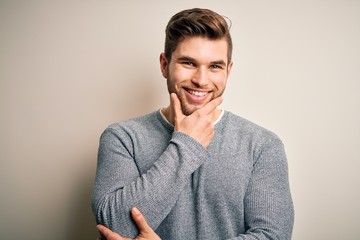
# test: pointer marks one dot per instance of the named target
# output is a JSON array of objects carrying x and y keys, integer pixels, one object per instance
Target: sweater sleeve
[
  {"x": 119, "y": 186},
  {"x": 269, "y": 213}
]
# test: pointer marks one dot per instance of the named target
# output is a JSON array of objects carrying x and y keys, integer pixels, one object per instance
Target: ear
[
  {"x": 163, "y": 65},
  {"x": 229, "y": 67}
]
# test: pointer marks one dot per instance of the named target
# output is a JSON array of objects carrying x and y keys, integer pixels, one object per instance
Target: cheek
[
  {"x": 180, "y": 75},
  {"x": 219, "y": 80}
]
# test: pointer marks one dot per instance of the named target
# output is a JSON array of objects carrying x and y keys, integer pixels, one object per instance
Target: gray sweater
[{"x": 236, "y": 188}]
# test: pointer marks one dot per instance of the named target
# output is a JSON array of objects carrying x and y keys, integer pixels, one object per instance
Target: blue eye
[{"x": 215, "y": 67}]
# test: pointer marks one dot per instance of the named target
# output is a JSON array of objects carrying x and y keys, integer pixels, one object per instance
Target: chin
[{"x": 188, "y": 110}]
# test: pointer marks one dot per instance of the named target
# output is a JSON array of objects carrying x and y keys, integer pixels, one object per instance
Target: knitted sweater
[{"x": 236, "y": 188}]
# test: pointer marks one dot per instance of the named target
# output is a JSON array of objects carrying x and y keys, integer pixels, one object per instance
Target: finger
[
  {"x": 176, "y": 105},
  {"x": 210, "y": 106},
  {"x": 109, "y": 235},
  {"x": 140, "y": 220}
]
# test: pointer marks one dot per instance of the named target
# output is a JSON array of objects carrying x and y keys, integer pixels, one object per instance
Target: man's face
[{"x": 197, "y": 72}]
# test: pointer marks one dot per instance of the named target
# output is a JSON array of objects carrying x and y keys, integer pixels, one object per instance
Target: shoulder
[
  {"x": 135, "y": 123},
  {"x": 239, "y": 125},
  {"x": 133, "y": 126},
  {"x": 257, "y": 140}
]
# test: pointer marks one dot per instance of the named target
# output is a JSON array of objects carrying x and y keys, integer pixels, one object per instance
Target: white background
[{"x": 70, "y": 68}]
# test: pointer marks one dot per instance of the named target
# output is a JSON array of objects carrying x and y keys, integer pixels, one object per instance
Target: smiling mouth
[{"x": 197, "y": 93}]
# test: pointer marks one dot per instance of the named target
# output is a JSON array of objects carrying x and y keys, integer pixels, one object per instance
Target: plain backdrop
[{"x": 70, "y": 68}]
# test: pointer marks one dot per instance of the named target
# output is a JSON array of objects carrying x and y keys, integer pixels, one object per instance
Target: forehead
[{"x": 202, "y": 49}]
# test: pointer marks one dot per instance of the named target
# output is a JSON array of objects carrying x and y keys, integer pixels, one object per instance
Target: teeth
[{"x": 198, "y": 94}]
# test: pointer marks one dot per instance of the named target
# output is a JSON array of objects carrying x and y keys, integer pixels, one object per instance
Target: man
[{"x": 193, "y": 170}]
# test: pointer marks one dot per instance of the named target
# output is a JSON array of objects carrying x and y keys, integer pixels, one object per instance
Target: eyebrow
[
  {"x": 185, "y": 58},
  {"x": 190, "y": 59},
  {"x": 219, "y": 62}
]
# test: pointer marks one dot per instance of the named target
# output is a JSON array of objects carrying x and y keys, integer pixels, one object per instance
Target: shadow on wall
[
  {"x": 137, "y": 96},
  {"x": 82, "y": 222},
  {"x": 141, "y": 94}
]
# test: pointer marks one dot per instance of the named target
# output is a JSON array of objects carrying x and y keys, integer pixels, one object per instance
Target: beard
[
  {"x": 171, "y": 89},
  {"x": 188, "y": 109}
]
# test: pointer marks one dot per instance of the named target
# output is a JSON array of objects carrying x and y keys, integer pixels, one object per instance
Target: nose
[{"x": 200, "y": 77}]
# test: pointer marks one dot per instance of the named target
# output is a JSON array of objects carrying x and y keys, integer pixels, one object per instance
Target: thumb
[
  {"x": 176, "y": 107},
  {"x": 140, "y": 220}
]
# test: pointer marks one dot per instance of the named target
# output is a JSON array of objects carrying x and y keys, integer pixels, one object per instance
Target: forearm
[{"x": 119, "y": 188}]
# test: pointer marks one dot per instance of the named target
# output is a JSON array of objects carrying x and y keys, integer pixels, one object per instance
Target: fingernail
[{"x": 136, "y": 211}]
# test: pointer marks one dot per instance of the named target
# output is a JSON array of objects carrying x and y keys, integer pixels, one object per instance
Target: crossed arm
[
  {"x": 199, "y": 127},
  {"x": 156, "y": 191},
  {"x": 263, "y": 223},
  {"x": 260, "y": 226},
  {"x": 145, "y": 232}
]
